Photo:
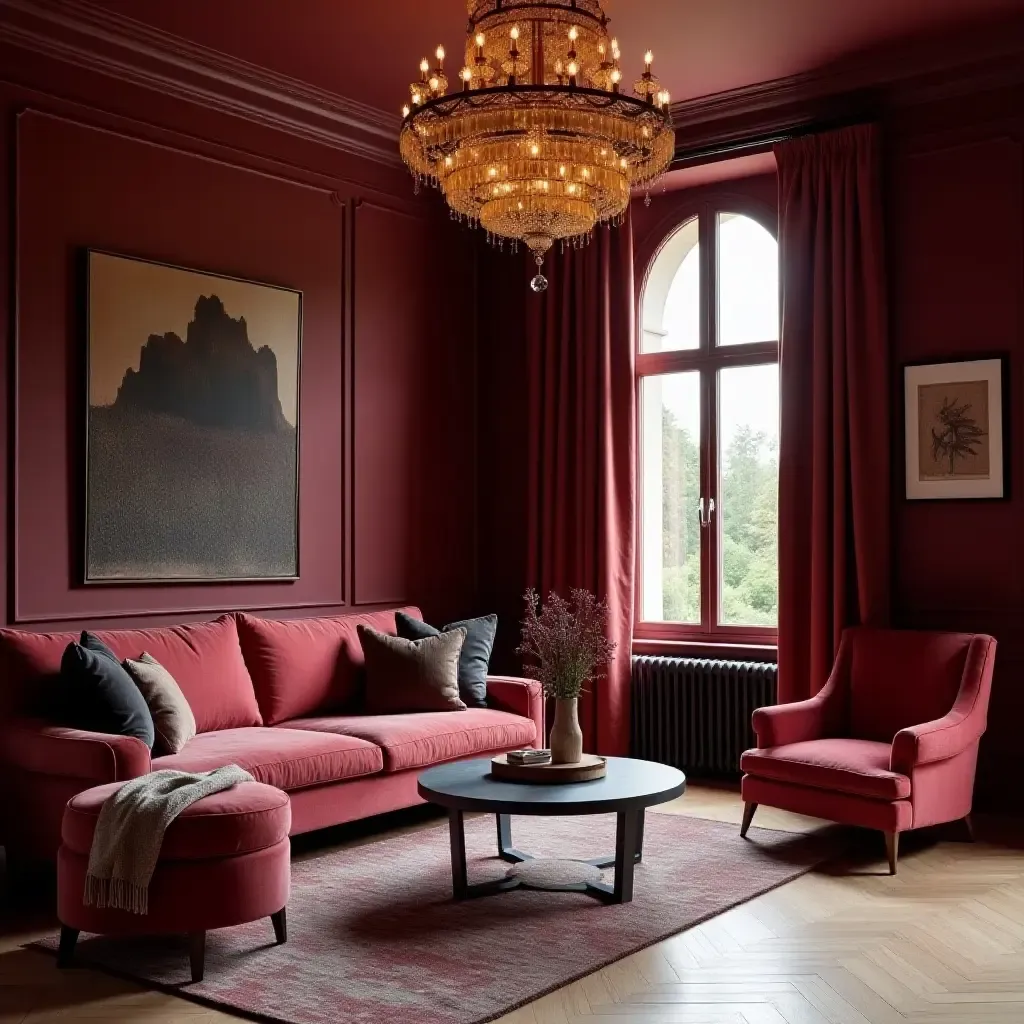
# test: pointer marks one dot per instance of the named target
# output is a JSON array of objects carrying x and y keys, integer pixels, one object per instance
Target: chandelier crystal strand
[{"x": 537, "y": 143}]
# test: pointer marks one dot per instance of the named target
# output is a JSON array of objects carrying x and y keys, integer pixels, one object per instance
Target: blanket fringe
[{"x": 117, "y": 894}]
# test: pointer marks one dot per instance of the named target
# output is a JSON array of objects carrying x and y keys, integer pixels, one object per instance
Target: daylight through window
[{"x": 709, "y": 431}]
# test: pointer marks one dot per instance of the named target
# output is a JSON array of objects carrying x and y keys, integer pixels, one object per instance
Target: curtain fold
[
  {"x": 582, "y": 453},
  {"x": 834, "y": 471}
]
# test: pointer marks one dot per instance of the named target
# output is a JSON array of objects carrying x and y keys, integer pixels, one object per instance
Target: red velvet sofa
[{"x": 280, "y": 698}]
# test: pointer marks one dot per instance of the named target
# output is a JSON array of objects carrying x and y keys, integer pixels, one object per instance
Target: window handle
[{"x": 705, "y": 518}]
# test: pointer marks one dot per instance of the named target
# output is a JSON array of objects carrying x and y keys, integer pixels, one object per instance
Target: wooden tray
[{"x": 592, "y": 766}]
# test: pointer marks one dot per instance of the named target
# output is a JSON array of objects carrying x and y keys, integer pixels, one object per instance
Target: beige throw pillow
[
  {"x": 173, "y": 720},
  {"x": 411, "y": 675}
]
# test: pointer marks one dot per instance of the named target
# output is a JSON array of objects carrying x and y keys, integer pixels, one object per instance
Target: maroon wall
[
  {"x": 956, "y": 239},
  {"x": 387, "y": 394}
]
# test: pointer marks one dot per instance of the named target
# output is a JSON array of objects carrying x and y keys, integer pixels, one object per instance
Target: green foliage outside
[{"x": 749, "y": 511}]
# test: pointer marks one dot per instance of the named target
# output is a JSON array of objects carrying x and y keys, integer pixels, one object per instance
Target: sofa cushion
[
  {"x": 411, "y": 675},
  {"x": 173, "y": 721},
  {"x": 204, "y": 658},
  {"x": 303, "y": 666},
  {"x": 474, "y": 658},
  {"x": 860, "y": 767},
  {"x": 98, "y": 695},
  {"x": 246, "y": 818},
  {"x": 286, "y": 758},
  {"x": 424, "y": 738}
]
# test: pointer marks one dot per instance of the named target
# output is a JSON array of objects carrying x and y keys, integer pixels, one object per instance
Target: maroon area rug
[{"x": 373, "y": 933}]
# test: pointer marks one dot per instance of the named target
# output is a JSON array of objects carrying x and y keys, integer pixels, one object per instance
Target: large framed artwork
[
  {"x": 954, "y": 429},
  {"x": 192, "y": 425}
]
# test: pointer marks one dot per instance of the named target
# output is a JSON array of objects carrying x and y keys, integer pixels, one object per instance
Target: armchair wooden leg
[
  {"x": 280, "y": 923},
  {"x": 748, "y": 817},
  {"x": 969, "y": 827},
  {"x": 892, "y": 849}
]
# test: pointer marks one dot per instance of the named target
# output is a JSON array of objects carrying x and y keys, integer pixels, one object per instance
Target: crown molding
[
  {"x": 80, "y": 33},
  {"x": 874, "y": 84}
]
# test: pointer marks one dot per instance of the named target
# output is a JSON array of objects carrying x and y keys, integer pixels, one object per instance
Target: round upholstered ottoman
[{"x": 224, "y": 861}]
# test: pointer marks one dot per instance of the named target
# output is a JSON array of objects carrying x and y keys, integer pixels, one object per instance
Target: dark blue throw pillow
[
  {"x": 99, "y": 695},
  {"x": 476, "y": 651}
]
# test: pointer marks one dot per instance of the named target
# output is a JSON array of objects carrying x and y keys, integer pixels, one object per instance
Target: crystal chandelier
[{"x": 538, "y": 142}]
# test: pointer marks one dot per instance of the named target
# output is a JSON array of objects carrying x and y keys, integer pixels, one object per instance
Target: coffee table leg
[
  {"x": 506, "y": 851},
  {"x": 608, "y": 861},
  {"x": 628, "y": 840},
  {"x": 457, "y": 837}
]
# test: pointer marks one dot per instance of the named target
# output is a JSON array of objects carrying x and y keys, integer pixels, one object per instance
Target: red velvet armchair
[{"x": 890, "y": 743}]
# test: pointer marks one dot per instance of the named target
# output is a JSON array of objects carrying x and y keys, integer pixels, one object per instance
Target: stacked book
[{"x": 529, "y": 756}]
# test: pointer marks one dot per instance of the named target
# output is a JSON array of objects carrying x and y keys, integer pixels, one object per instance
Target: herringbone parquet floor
[{"x": 941, "y": 943}]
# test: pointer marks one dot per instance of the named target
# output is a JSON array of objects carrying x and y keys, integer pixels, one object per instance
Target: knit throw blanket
[{"x": 131, "y": 827}]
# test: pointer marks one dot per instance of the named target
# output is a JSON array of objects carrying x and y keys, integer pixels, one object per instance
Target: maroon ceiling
[{"x": 368, "y": 50}]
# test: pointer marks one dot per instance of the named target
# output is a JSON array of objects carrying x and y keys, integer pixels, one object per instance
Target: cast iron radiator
[{"x": 695, "y": 714}]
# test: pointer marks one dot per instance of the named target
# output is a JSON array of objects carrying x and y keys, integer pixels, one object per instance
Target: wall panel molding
[
  {"x": 85, "y": 608},
  {"x": 99, "y": 40}
]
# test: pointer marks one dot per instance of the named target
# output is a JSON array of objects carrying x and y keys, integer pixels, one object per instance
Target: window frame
[{"x": 707, "y": 359}]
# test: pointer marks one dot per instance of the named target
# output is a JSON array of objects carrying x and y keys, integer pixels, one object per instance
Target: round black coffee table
[{"x": 628, "y": 789}]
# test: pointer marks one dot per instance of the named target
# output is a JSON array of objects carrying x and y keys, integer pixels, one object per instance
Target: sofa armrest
[
  {"x": 520, "y": 697},
  {"x": 813, "y": 719},
  {"x": 790, "y": 723},
  {"x": 37, "y": 746},
  {"x": 963, "y": 726},
  {"x": 934, "y": 741}
]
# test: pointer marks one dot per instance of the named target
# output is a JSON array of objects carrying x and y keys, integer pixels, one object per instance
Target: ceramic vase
[{"x": 566, "y": 735}]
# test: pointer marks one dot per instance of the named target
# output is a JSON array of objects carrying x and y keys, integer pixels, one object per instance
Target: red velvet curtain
[
  {"x": 582, "y": 452},
  {"x": 834, "y": 472}
]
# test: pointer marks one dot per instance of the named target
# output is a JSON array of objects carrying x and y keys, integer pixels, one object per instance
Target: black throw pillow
[
  {"x": 99, "y": 695},
  {"x": 476, "y": 651}
]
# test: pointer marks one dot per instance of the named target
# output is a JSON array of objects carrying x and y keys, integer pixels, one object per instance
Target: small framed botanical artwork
[{"x": 954, "y": 429}]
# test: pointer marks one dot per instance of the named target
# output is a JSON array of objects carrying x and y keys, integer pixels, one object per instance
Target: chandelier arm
[{"x": 599, "y": 98}]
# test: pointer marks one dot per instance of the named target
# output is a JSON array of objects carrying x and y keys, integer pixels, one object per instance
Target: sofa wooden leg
[
  {"x": 892, "y": 849},
  {"x": 748, "y": 817},
  {"x": 66, "y": 949},
  {"x": 197, "y": 955},
  {"x": 969, "y": 827},
  {"x": 280, "y": 923}
]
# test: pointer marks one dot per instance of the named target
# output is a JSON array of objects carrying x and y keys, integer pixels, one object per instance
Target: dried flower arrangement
[{"x": 566, "y": 642}]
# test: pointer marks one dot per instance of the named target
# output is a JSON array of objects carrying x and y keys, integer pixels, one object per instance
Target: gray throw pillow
[
  {"x": 173, "y": 720},
  {"x": 411, "y": 675},
  {"x": 475, "y": 659}
]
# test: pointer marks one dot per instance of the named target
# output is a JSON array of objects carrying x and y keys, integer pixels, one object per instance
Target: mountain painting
[{"x": 193, "y": 425}]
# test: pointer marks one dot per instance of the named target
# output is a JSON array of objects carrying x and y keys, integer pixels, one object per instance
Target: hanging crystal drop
[{"x": 540, "y": 283}]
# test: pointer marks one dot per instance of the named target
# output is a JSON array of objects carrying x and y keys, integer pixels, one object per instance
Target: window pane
[
  {"x": 748, "y": 281},
  {"x": 670, "y": 488},
  {"x": 671, "y": 309},
  {"x": 748, "y": 435}
]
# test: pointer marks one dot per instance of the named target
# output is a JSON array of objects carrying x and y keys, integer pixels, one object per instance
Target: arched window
[{"x": 708, "y": 381}]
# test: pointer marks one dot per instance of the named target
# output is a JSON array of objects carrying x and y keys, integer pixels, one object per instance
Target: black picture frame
[{"x": 93, "y": 573}]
